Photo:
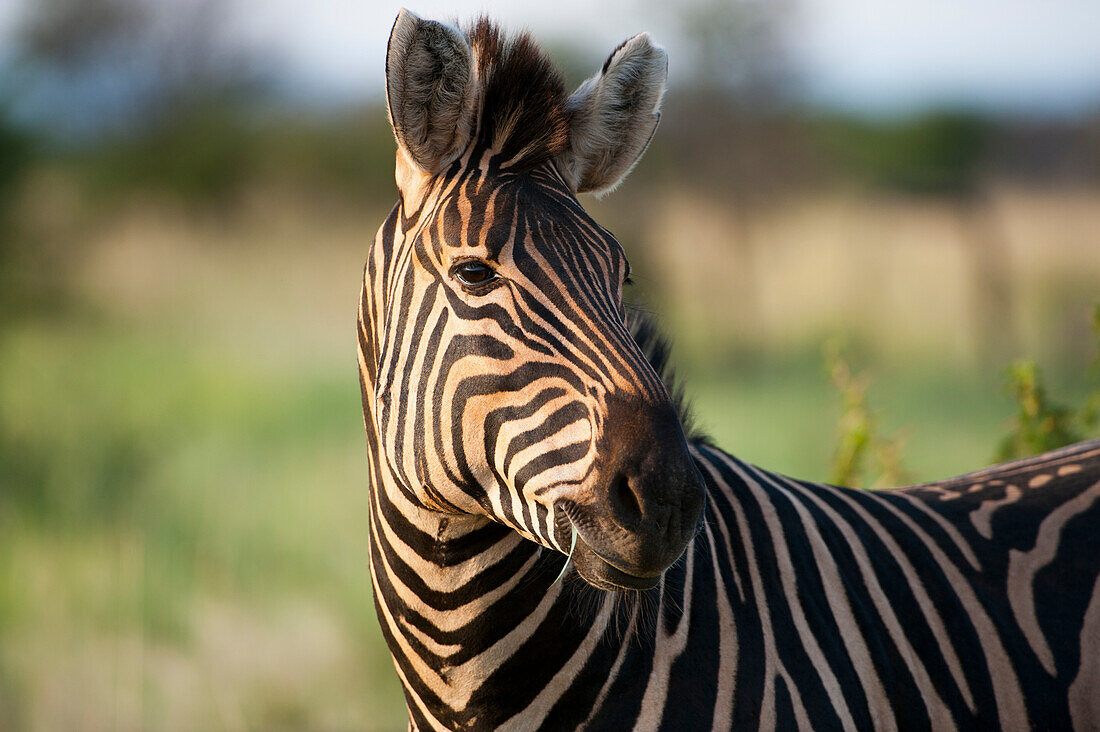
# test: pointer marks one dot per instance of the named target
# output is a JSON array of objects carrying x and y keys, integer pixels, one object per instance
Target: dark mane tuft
[
  {"x": 524, "y": 116},
  {"x": 656, "y": 349}
]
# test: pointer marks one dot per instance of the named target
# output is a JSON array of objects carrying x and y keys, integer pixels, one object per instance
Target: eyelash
[{"x": 484, "y": 267}]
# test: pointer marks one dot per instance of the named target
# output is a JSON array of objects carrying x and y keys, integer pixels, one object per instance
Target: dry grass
[{"x": 898, "y": 272}]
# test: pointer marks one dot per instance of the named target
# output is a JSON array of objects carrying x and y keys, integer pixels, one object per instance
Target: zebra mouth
[{"x": 601, "y": 574}]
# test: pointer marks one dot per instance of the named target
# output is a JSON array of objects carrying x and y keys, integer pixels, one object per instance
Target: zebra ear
[
  {"x": 429, "y": 90},
  {"x": 613, "y": 116}
]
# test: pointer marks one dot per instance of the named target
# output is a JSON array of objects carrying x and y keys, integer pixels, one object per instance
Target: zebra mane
[
  {"x": 657, "y": 349},
  {"x": 524, "y": 112}
]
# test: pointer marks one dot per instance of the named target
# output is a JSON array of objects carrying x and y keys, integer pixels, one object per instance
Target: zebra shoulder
[{"x": 1058, "y": 485}]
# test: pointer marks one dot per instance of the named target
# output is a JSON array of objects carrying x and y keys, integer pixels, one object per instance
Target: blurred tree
[
  {"x": 15, "y": 158},
  {"x": 729, "y": 130},
  {"x": 161, "y": 87},
  {"x": 70, "y": 33},
  {"x": 738, "y": 49},
  {"x": 134, "y": 64},
  {"x": 937, "y": 154},
  {"x": 942, "y": 155},
  {"x": 15, "y": 155}
]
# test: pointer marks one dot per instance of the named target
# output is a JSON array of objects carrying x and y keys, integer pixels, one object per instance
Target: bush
[
  {"x": 1040, "y": 424},
  {"x": 857, "y": 431}
]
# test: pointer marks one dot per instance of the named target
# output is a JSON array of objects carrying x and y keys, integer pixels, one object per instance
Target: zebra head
[{"x": 499, "y": 377}]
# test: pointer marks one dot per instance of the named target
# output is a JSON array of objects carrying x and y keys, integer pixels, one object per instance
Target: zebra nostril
[{"x": 625, "y": 505}]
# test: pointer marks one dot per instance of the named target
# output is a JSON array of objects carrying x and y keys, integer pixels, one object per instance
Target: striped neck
[
  {"x": 475, "y": 615},
  {"x": 487, "y": 632}
]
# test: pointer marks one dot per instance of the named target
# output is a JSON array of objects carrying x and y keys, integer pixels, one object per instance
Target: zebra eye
[{"x": 473, "y": 273}]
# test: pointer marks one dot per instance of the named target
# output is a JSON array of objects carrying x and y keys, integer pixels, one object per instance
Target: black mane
[
  {"x": 643, "y": 328},
  {"x": 524, "y": 112}
]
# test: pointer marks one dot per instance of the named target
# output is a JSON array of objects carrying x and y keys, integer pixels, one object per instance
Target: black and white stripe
[{"x": 515, "y": 420}]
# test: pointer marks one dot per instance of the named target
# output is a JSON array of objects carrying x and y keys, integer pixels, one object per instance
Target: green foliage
[
  {"x": 938, "y": 153},
  {"x": 203, "y": 158},
  {"x": 209, "y": 157},
  {"x": 857, "y": 430},
  {"x": 1040, "y": 424},
  {"x": 16, "y": 157}
]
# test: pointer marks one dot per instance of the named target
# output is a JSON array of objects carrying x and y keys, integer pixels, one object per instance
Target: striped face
[
  {"x": 499, "y": 377},
  {"x": 507, "y": 383}
]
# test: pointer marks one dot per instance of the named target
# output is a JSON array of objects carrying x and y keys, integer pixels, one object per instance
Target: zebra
[{"x": 554, "y": 546}]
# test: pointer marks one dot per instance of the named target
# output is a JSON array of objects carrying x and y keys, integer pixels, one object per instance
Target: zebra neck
[{"x": 484, "y": 627}]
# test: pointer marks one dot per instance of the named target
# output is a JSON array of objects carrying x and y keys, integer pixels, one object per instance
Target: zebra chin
[
  {"x": 603, "y": 575},
  {"x": 636, "y": 560}
]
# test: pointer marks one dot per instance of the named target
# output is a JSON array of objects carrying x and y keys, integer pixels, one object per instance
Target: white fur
[
  {"x": 614, "y": 116},
  {"x": 430, "y": 92}
]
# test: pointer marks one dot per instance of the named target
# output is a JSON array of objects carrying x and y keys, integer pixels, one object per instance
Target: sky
[{"x": 867, "y": 55}]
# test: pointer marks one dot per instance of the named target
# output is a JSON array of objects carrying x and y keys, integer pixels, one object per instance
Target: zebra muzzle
[
  {"x": 600, "y": 573},
  {"x": 638, "y": 520}
]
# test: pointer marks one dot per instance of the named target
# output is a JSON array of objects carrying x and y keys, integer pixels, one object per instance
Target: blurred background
[{"x": 187, "y": 193}]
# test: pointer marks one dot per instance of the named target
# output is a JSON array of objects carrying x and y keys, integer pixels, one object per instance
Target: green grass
[{"x": 144, "y": 481}]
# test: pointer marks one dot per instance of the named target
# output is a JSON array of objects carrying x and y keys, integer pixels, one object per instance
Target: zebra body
[
  {"x": 945, "y": 606},
  {"x": 526, "y": 458}
]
